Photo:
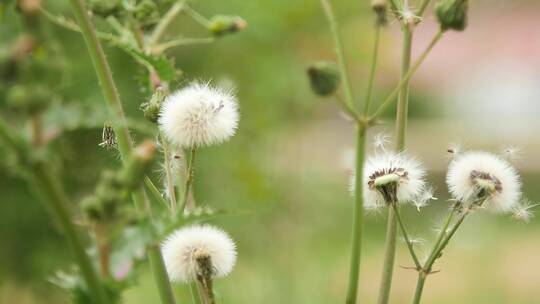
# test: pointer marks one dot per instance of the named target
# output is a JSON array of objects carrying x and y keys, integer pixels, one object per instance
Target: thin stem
[
  {"x": 160, "y": 274},
  {"x": 427, "y": 267},
  {"x": 159, "y": 48},
  {"x": 358, "y": 219},
  {"x": 168, "y": 173},
  {"x": 423, "y": 7},
  {"x": 155, "y": 193},
  {"x": 56, "y": 199},
  {"x": 338, "y": 44},
  {"x": 405, "y": 80},
  {"x": 206, "y": 293},
  {"x": 189, "y": 180},
  {"x": 401, "y": 128},
  {"x": 197, "y": 17},
  {"x": 164, "y": 22},
  {"x": 104, "y": 248},
  {"x": 433, "y": 255},
  {"x": 374, "y": 61},
  {"x": 195, "y": 293},
  {"x": 406, "y": 237}
]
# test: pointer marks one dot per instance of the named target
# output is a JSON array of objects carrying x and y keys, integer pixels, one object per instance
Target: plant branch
[
  {"x": 423, "y": 7},
  {"x": 401, "y": 128},
  {"x": 329, "y": 13},
  {"x": 165, "y": 21},
  {"x": 405, "y": 80},
  {"x": 373, "y": 69},
  {"x": 189, "y": 180},
  {"x": 358, "y": 218},
  {"x": 161, "y": 47},
  {"x": 160, "y": 274},
  {"x": 406, "y": 237},
  {"x": 168, "y": 173}
]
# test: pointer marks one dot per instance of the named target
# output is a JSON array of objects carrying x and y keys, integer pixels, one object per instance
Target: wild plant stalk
[
  {"x": 119, "y": 122},
  {"x": 189, "y": 180},
  {"x": 57, "y": 201}
]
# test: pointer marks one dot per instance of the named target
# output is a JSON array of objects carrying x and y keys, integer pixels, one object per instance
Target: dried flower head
[
  {"x": 184, "y": 249},
  {"x": 199, "y": 115},
  {"x": 392, "y": 178},
  {"x": 484, "y": 179}
]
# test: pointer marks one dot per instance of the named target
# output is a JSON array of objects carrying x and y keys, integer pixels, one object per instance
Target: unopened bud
[
  {"x": 452, "y": 14},
  {"x": 379, "y": 7},
  {"x": 151, "y": 107},
  {"x": 221, "y": 25},
  {"x": 324, "y": 77},
  {"x": 145, "y": 10}
]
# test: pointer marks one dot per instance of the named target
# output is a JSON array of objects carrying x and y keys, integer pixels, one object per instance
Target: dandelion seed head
[
  {"x": 199, "y": 115},
  {"x": 472, "y": 173},
  {"x": 182, "y": 248},
  {"x": 389, "y": 176}
]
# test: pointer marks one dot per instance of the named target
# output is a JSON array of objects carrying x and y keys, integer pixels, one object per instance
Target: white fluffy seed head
[
  {"x": 182, "y": 247},
  {"x": 407, "y": 174},
  {"x": 199, "y": 115},
  {"x": 471, "y": 171}
]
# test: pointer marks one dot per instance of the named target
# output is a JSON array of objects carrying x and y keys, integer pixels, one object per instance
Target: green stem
[
  {"x": 160, "y": 274},
  {"x": 433, "y": 255},
  {"x": 374, "y": 61},
  {"x": 401, "y": 128},
  {"x": 423, "y": 7},
  {"x": 437, "y": 251},
  {"x": 159, "y": 48},
  {"x": 329, "y": 13},
  {"x": 120, "y": 126},
  {"x": 405, "y": 80},
  {"x": 168, "y": 173},
  {"x": 56, "y": 199},
  {"x": 406, "y": 237},
  {"x": 156, "y": 195},
  {"x": 195, "y": 293},
  {"x": 165, "y": 21},
  {"x": 358, "y": 219},
  {"x": 189, "y": 180}
]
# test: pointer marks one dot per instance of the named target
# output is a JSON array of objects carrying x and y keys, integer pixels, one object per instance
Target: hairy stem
[
  {"x": 358, "y": 218},
  {"x": 406, "y": 237},
  {"x": 401, "y": 128},
  {"x": 338, "y": 44},
  {"x": 120, "y": 127},
  {"x": 405, "y": 80},
  {"x": 189, "y": 180},
  {"x": 169, "y": 179}
]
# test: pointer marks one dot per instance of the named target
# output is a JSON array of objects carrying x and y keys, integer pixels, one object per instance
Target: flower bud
[
  {"x": 145, "y": 10},
  {"x": 151, "y": 108},
  {"x": 220, "y": 25},
  {"x": 379, "y": 7},
  {"x": 324, "y": 77},
  {"x": 452, "y": 14}
]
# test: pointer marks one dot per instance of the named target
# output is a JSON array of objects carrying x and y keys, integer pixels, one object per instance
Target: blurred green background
[{"x": 287, "y": 169}]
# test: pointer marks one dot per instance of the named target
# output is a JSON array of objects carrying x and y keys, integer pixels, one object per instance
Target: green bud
[
  {"x": 151, "y": 107},
  {"x": 220, "y": 25},
  {"x": 452, "y": 14},
  {"x": 105, "y": 8},
  {"x": 324, "y": 78},
  {"x": 379, "y": 7},
  {"x": 145, "y": 10}
]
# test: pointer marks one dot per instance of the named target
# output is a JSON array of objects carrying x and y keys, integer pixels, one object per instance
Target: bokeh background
[{"x": 287, "y": 169}]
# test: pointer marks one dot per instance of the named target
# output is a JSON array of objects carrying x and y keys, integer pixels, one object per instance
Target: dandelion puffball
[
  {"x": 474, "y": 174},
  {"x": 181, "y": 249},
  {"x": 391, "y": 177},
  {"x": 199, "y": 115}
]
